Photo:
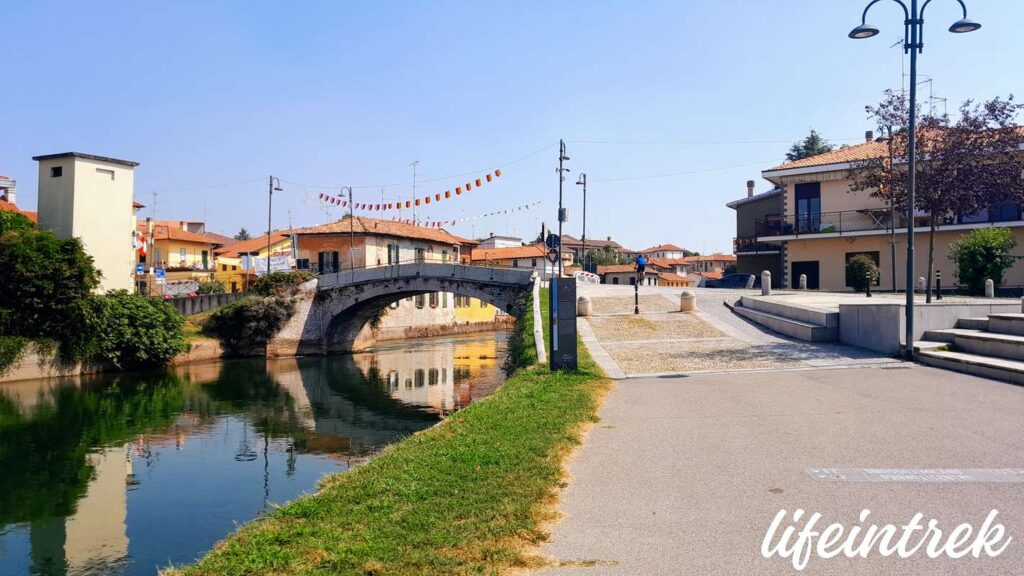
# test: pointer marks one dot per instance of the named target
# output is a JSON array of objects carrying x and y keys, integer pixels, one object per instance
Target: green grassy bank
[{"x": 469, "y": 496}]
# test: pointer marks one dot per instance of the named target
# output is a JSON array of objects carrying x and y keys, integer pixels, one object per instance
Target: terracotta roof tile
[
  {"x": 164, "y": 232},
  {"x": 671, "y": 277},
  {"x": 531, "y": 251},
  {"x": 252, "y": 244},
  {"x": 857, "y": 152},
  {"x": 372, "y": 226},
  {"x": 6, "y": 206},
  {"x": 663, "y": 248},
  {"x": 616, "y": 269}
]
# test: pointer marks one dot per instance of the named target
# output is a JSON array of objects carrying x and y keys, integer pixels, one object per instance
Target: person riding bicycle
[{"x": 641, "y": 265}]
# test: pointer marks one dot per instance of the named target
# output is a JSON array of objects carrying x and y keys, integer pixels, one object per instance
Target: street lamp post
[
  {"x": 561, "y": 211},
  {"x": 913, "y": 43},
  {"x": 346, "y": 191},
  {"x": 583, "y": 182},
  {"x": 274, "y": 185}
]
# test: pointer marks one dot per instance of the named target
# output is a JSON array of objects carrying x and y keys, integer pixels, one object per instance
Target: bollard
[
  {"x": 867, "y": 274},
  {"x": 766, "y": 283},
  {"x": 990, "y": 288},
  {"x": 938, "y": 284},
  {"x": 921, "y": 284},
  {"x": 688, "y": 301},
  {"x": 583, "y": 306},
  {"x": 803, "y": 281}
]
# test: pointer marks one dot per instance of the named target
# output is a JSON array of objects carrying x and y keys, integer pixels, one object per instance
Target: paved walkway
[
  {"x": 684, "y": 475},
  {"x": 663, "y": 341}
]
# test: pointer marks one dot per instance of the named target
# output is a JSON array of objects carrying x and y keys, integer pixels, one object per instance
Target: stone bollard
[
  {"x": 803, "y": 281},
  {"x": 921, "y": 284},
  {"x": 990, "y": 288},
  {"x": 766, "y": 283},
  {"x": 1022, "y": 304},
  {"x": 583, "y": 306},
  {"x": 688, "y": 301}
]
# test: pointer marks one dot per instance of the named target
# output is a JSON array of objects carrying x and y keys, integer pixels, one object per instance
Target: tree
[
  {"x": 812, "y": 145},
  {"x": 859, "y": 268},
  {"x": 965, "y": 167},
  {"x": 982, "y": 254},
  {"x": 243, "y": 234},
  {"x": 14, "y": 222},
  {"x": 45, "y": 288}
]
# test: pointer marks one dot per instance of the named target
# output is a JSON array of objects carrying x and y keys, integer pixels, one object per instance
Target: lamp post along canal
[
  {"x": 913, "y": 44},
  {"x": 274, "y": 185}
]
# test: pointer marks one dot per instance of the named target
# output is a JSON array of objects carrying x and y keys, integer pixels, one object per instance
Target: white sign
[{"x": 277, "y": 264}]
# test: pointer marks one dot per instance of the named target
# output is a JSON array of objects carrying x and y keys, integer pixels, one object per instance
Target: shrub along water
[
  {"x": 245, "y": 326},
  {"x": 469, "y": 496},
  {"x": 134, "y": 331}
]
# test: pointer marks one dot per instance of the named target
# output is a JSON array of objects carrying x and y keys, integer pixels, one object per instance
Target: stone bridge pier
[{"x": 335, "y": 307}]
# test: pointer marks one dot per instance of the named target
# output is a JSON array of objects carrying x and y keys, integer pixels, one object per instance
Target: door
[
  {"x": 206, "y": 260},
  {"x": 808, "y": 207},
  {"x": 421, "y": 255},
  {"x": 808, "y": 268}
]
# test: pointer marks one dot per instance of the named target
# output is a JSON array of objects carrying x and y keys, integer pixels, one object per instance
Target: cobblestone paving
[
  {"x": 662, "y": 340},
  {"x": 667, "y": 326}
]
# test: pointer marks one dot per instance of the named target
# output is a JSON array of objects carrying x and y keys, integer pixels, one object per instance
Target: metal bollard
[
  {"x": 688, "y": 301},
  {"x": 803, "y": 281},
  {"x": 766, "y": 283},
  {"x": 938, "y": 284},
  {"x": 990, "y": 288},
  {"x": 867, "y": 274}
]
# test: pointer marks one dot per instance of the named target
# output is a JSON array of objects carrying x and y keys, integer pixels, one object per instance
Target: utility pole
[
  {"x": 414, "y": 190},
  {"x": 561, "y": 211},
  {"x": 351, "y": 230},
  {"x": 273, "y": 185},
  {"x": 583, "y": 182},
  {"x": 892, "y": 214}
]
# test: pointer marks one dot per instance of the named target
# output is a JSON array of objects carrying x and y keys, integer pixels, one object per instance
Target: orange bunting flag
[
  {"x": 488, "y": 177},
  {"x": 477, "y": 182},
  {"x": 428, "y": 199},
  {"x": 447, "y": 193},
  {"x": 498, "y": 172},
  {"x": 458, "y": 190},
  {"x": 468, "y": 186},
  {"x": 389, "y": 206},
  {"x": 407, "y": 203},
  {"x": 417, "y": 201},
  {"x": 437, "y": 197}
]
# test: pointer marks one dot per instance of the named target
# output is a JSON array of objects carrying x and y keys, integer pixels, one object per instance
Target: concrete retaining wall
[
  {"x": 203, "y": 303},
  {"x": 881, "y": 327},
  {"x": 538, "y": 324}
]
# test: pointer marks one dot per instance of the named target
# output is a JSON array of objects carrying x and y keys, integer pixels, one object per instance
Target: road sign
[
  {"x": 161, "y": 275},
  {"x": 552, "y": 241},
  {"x": 140, "y": 269},
  {"x": 553, "y": 255}
]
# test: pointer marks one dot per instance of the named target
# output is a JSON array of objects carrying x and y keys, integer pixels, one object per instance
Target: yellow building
[
  {"x": 230, "y": 269},
  {"x": 90, "y": 197},
  {"x": 183, "y": 255}
]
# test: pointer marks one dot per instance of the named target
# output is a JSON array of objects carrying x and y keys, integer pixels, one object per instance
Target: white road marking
[{"x": 918, "y": 475}]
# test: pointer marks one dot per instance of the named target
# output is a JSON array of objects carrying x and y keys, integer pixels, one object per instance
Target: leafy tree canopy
[
  {"x": 812, "y": 145},
  {"x": 243, "y": 234}
]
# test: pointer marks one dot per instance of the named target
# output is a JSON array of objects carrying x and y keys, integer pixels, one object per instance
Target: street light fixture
[
  {"x": 274, "y": 186},
  {"x": 583, "y": 182},
  {"x": 562, "y": 157},
  {"x": 913, "y": 43}
]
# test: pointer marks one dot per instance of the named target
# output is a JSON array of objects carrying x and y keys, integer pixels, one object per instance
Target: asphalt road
[{"x": 683, "y": 475}]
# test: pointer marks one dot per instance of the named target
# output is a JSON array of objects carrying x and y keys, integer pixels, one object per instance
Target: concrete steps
[
  {"x": 991, "y": 347},
  {"x": 807, "y": 324}
]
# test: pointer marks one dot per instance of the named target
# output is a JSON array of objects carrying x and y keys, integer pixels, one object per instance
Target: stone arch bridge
[{"x": 335, "y": 307}]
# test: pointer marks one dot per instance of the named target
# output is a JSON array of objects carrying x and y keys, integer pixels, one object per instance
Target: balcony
[
  {"x": 869, "y": 220},
  {"x": 750, "y": 245}
]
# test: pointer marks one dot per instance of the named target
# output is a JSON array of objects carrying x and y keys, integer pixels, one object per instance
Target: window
[
  {"x": 533, "y": 262},
  {"x": 234, "y": 287},
  {"x": 327, "y": 262},
  {"x": 56, "y": 171},
  {"x": 234, "y": 267},
  {"x": 444, "y": 299},
  {"x": 873, "y": 255},
  {"x": 223, "y": 267},
  {"x": 432, "y": 377},
  {"x": 393, "y": 254},
  {"x": 302, "y": 263},
  {"x": 615, "y": 280},
  {"x": 420, "y": 375},
  {"x": 420, "y": 300},
  {"x": 632, "y": 280},
  {"x": 393, "y": 380},
  {"x": 106, "y": 174},
  {"x": 433, "y": 299},
  {"x": 515, "y": 263},
  {"x": 483, "y": 304},
  {"x": 181, "y": 254},
  {"x": 808, "y": 207},
  {"x": 421, "y": 255},
  {"x": 444, "y": 255}
]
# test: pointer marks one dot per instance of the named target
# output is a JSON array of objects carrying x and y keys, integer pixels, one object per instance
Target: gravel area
[
  {"x": 648, "y": 303},
  {"x": 671, "y": 326},
  {"x": 698, "y": 356}
]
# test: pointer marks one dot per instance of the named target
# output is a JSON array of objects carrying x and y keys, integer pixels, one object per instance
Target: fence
[{"x": 203, "y": 303}]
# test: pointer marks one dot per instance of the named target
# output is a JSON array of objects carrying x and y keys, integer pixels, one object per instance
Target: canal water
[{"x": 123, "y": 474}]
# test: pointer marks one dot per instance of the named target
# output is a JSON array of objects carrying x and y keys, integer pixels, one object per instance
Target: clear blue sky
[{"x": 333, "y": 93}]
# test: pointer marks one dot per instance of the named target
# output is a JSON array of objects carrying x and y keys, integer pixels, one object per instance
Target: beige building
[
  {"x": 824, "y": 224},
  {"x": 664, "y": 251},
  {"x": 90, "y": 197},
  {"x": 532, "y": 257}
]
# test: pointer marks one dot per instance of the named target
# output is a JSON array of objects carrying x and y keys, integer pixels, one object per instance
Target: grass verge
[{"x": 470, "y": 496}]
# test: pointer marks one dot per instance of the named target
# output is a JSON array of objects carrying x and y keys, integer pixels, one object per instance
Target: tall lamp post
[
  {"x": 561, "y": 211},
  {"x": 274, "y": 185},
  {"x": 583, "y": 182},
  {"x": 346, "y": 192},
  {"x": 913, "y": 44}
]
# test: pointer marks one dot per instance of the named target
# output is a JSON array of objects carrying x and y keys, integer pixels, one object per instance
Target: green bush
[
  {"x": 11, "y": 348},
  {"x": 135, "y": 331},
  {"x": 45, "y": 290},
  {"x": 15, "y": 222},
  {"x": 210, "y": 286},
  {"x": 982, "y": 254},
  {"x": 250, "y": 322},
  {"x": 858, "y": 269},
  {"x": 280, "y": 283}
]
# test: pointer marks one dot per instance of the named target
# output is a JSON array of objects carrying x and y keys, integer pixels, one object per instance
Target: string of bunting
[
  {"x": 454, "y": 221},
  {"x": 339, "y": 200}
]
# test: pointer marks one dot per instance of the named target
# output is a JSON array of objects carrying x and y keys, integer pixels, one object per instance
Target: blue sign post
[
  {"x": 161, "y": 275},
  {"x": 140, "y": 269}
]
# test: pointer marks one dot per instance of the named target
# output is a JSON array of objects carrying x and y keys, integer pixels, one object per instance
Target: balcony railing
[
  {"x": 870, "y": 219},
  {"x": 750, "y": 245}
]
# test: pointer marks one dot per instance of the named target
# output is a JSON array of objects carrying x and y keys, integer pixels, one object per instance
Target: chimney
[
  {"x": 869, "y": 136},
  {"x": 492, "y": 235},
  {"x": 750, "y": 188},
  {"x": 609, "y": 238},
  {"x": 7, "y": 190}
]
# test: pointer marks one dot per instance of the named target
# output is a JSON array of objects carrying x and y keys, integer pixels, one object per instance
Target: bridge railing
[{"x": 447, "y": 270}]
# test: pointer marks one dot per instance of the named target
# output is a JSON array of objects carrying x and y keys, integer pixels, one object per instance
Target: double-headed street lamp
[
  {"x": 913, "y": 43},
  {"x": 583, "y": 182}
]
